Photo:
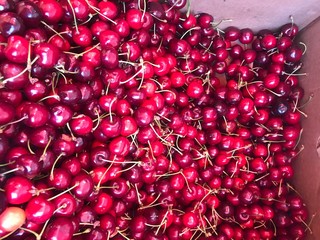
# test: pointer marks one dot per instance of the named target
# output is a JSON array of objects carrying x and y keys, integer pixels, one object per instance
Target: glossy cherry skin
[
  {"x": 10, "y": 24},
  {"x": 51, "y": 10},
  {"x": 29, "y": 12},
  {"x": 47, "y": 53},
  {"x": 59, "y": 179},
  {"x": 103, "y": 203},
  {"x": 65, "y": 205},
  {"x": 81, "y": 125},
  {"x": 17, "y": 49},
  {"x": 134, "y": 19},
  {"x": 60, "y": 115},
  {"x": 60, "y": 228},
  {"x": 36, "y": 115},
  {"x": 28, "y": 165},
  {"x": 119, "y": 146},
  {"x": 39, "y": 209},
  {"x": 84, "y": 185},
  {"x": 18, "y": 190}
]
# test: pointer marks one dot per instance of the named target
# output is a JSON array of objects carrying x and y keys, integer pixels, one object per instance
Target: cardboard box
[{"x": 259, "y": 15}]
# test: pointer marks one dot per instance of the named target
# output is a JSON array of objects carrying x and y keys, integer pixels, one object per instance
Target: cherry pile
[{"x": 135, "y": 120}]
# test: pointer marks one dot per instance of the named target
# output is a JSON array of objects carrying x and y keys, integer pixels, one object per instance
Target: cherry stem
[
  {"x": 52, "y": 29},
  {"x": 10, "y": 171},
  {"x": 152, "y": 204},
  {"x": 84, "y": 52},
  {"x": 14, "y": 122},
  {"x": 63, "y": 192},
  {"x": 74, "y": 16},
  {"x": 305, "y": 47},
  {"x": 165, "y": 141},
  {"x": 45, "y": 149},
  {"x": 103, "y": 175},
  {"x": 37, "y": 235},
  {"x": 97, "y": 11},
  {"x": 189, "y": 30},
  {"x": 83, "y": 232},
  {"x": 29, "y": 147},
  {"x": 54, "y": 164},
  {"x": 132, "y": 77},
  {"x": 123, "y": 235}
]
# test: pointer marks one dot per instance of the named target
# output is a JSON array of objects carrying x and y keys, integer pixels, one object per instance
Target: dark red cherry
[
  {"x": 60, "y": 228},
  {"x": 10, "y": 24},
  {"x": 29, "y": 12},
  {"x": 7, "y": 113},
  {"x": 69, "y": 94},
  {"x": 84, "y": 185}
]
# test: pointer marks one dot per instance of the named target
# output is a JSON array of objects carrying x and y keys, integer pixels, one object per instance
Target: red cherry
[
  {"x": 134, "y": 18},
  {"x": 39, "y": 209},
  {"x": 47, "y": 53},
  {"x": 17, "y": 49},
  {"x": 18, "y": 190},
  {"x": 81, "y": 125},
  {"x": 60, "y": 228},
  {"x": 51, "y": 11}
]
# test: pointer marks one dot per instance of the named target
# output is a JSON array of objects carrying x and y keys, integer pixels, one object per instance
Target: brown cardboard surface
[
  {"x": 259, "y": 14},
  {"x": 307, "y": 167}
]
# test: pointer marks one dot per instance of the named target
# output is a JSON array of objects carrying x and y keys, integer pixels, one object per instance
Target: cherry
[
  {"x": 47, "y": 53},
  {"x": 232, "y": 33},
  {"x": 60, "y": 115},
  {"x": 268, "y": 41},
  {"x": 280, "y": 107},
  {"x": 103, "y": 203},
  {"x": 108, "y": 10},
  {"x": 119, "y": 146},
  {"x": 81, "y": 125},
  {"x": 11, "y": 219},
  {"x": 109, "y": 58},
  {"x": 82, "y": 36},
  {"x": 134, "y": 18},
  {"x": 59, "y": 178},
  {"x": 17, "y": 49},
  {"x": 8, "y": 113},
  {"x": 293, "y": 54},
  {"x": 51, "y": 10},
  {"x": 11, "y": 24},
  {"x": 18, "y": 190},
  {"x": 29, "y": 12},
  {"x": 83, "y": 185},
  {"x": 39, "y": 209},
  {"x": 59, "y": 228},
  {"x": 246, "y": 36},
  {"x": 283, "y": 43},
  {"x": 65, "y": 205},
  {"x": 289, "y": 30},
  {"x": 69, "y": 94},
  {"x": 14, "y": 75},
  {"x": 35, "y": 114},
  {"x": 111, "y": 127}
]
